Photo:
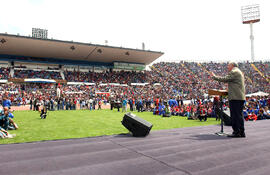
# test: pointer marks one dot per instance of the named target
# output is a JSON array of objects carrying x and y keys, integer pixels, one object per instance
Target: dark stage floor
[{"x": 181, "y": 151}]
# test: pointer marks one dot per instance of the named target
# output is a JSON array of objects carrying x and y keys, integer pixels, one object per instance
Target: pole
[
  {"x": 221, "y": 133},
  {"x": 252, "y": 41},
  {"x": 221, "y": 118}
]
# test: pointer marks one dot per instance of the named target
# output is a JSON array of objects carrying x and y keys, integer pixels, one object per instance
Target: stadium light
[{"x": 250, "y": 15}]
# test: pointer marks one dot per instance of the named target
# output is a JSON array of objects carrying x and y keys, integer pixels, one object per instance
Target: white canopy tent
[
  {"x": 156, "y": 84},
  {"x": 81, "y": 83},
  {"x": 139, "y": 84},
  {"x": 114, "y": 84},
  {"x": 74, "y": 83},
  {"x": 39, "y": 80},
  {"x": 259, "y": 93}
]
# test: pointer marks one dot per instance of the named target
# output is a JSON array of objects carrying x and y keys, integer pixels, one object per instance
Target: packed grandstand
[{"x": 70, "y": 84}]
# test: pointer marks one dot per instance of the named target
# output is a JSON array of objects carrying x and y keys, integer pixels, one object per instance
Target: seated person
[
  {"x": 177, "y": 111},
  {"x": 252, "y": 117},
  {"x": 266, "y": 112},
  {"x": 174, "y": 110},
  {"x": 181, "y": 111},
  {"x": 4, "y": 120},
  {"x": 161, "y": 109},
  {"x": 155, "y": 111},
  {"x": 4, "y": 134},
  {"x": 12, "y": 125},
  {"x": 245, "y": 114},
  {"x": 261, "y": 115},
  {"x": 194, "y": 113},
  {"x": 167, "y": 110},
  {"x": 190, "y": 113},
  {"x": 202, "y": 114},
  {"x": 187, "y": 113}
]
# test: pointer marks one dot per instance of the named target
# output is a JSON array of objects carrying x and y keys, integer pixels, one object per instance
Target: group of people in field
[
  {"x": 7, "y": 120},
  {"x": 255, "y": 108},
  {"x": 194, "y": 109}
]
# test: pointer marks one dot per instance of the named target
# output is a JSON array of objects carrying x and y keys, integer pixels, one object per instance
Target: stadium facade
[{"x": 23, "y": 51}]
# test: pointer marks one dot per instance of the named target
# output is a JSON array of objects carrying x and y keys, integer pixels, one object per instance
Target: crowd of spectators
[
  {"x": 4, "y": 73},
  {"x": 257, "y": 108},
  {"x": 264, "y": 68},
  {"x": 190, "y": 79},
  {"x": 122, "y": 77},
  {"x": 37, "y": 74},
  {"x": 193, "y": 80},
  {"x": 184, "y": 80}
]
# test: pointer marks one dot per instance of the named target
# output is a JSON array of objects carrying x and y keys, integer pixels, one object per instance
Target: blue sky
[{"x": 183, "y": 29}]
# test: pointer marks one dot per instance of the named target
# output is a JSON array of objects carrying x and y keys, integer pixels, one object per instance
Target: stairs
[
  {"x": 256, "y": 69},
  {"x": 11, "y": 73},
  {"x": 62, "y": 74}
]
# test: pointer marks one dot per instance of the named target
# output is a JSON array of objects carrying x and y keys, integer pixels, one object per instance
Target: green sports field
[{"x": 85, "y": 123}]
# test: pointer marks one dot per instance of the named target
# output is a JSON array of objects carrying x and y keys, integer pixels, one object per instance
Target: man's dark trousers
[{"x": 236, "y": 110}]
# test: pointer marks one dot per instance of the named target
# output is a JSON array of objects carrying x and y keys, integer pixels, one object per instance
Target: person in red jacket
[
  {"x": 203, "y": 113},
  {"x": 252, "y": 117}
]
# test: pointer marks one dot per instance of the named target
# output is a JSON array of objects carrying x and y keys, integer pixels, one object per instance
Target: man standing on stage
[{"x": 236, "y": 96}]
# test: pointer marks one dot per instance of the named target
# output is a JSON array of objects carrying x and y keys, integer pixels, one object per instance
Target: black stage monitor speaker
[{"x": 137, "y": 126}]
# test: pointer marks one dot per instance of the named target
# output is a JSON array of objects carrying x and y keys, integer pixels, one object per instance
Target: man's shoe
[
  {"x": 233, "y": 135},
  {"x": 242, "y": 134}
]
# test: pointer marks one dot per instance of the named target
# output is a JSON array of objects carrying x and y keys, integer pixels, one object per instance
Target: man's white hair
[{"x": 233, "y": 63}]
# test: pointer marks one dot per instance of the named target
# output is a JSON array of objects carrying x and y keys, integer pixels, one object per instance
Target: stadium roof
[{"x": 16, "y": 45}]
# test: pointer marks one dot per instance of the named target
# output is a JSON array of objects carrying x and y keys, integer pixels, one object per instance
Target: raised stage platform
[{"x": 195, "y": 150}]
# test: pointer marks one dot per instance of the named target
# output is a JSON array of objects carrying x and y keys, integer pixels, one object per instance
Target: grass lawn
[{"x": 85, "y": 123}]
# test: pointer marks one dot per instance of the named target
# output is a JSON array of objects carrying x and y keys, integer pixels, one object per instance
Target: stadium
[
  {"x": 71, "y": 107},
  {"x": 32, "y": 69}
]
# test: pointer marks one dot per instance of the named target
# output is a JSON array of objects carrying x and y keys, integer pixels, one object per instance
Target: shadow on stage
[{"x": 208, "y": 137}]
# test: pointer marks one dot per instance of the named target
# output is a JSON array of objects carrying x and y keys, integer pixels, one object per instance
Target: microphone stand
[{"x": 221, "y": 133}]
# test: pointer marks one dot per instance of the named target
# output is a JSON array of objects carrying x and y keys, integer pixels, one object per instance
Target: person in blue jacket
[{"x": 6, "y": 102}]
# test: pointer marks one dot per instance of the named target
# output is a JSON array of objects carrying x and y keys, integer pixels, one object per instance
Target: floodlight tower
[{"x": 250, "y": 15}]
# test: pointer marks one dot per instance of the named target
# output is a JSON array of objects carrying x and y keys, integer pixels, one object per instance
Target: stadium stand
[
  {"x": 122, "y": 77},
  {"x": 65, "y": 78},
  {"x": 187, "y": 79}
]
